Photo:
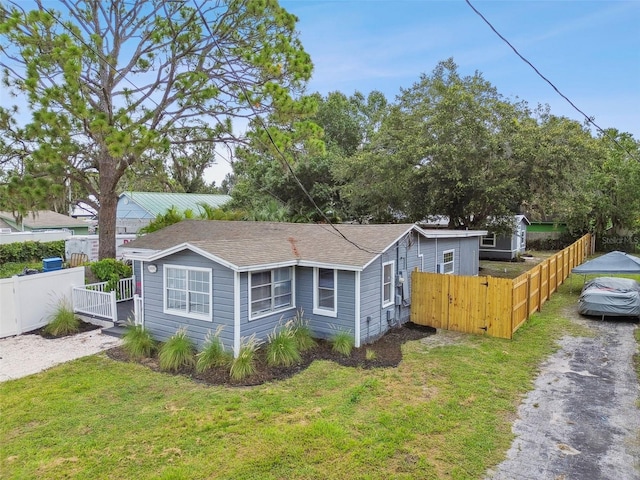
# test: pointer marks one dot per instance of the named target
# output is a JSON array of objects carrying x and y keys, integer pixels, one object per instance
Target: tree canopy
[{"x": 108, "y": 83}]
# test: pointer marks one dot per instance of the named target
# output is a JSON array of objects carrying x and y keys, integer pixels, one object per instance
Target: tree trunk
[{"x": 108, "y": 207}]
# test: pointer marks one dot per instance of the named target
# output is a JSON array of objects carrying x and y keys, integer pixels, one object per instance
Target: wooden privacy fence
[{"x": 490, "y": 305}]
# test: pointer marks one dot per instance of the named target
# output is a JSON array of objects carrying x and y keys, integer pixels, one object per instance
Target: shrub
[
  {"x": 111, "y": 271},
  {"x": 138, "y": 343},
  {"x": 282, "y": 348},
  {"x": 63, "y": 321},
  {"x": 302, "y": 333},
  {"x": 22, "y": 252},
  {"x": 176, "y": 352},
  {"x": 342, "y": 343},
  {"x": 245, "y": 363},
  {"x": 213, "y": 353}
]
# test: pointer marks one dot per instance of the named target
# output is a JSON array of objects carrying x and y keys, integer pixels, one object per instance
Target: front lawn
[{"x": 444, "y": 412}]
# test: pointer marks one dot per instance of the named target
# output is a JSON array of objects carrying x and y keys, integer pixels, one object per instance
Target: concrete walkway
[{"x": 582, "y": 421}]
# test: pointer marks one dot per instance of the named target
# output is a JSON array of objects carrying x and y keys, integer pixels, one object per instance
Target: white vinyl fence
[{"x": 27, "y": 302}]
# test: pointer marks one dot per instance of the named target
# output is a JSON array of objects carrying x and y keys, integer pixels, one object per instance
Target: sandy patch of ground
[{"x": 24, "y": 355}]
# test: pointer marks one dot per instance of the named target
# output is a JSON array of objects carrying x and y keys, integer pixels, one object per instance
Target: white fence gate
[{"x": 27, "y": 302}]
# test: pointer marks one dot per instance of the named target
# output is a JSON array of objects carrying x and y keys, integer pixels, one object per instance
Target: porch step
[{"x": 115, "y": 331}]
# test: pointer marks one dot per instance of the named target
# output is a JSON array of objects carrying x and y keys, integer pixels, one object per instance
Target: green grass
[
  {"x": 445, "y": 412},
  {"x": 63, "y": 320}
]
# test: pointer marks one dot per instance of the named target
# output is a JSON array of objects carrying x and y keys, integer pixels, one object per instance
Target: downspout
[
  {"x": 236, "y": 314},
  {"x": 357, "y": 311}
]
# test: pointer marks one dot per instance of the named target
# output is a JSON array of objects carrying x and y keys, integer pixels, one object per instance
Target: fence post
[{"x": 114, "y": 306}]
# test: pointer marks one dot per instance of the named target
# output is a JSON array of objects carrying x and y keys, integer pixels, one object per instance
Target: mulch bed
[
  {"x": 83, "y": 327},
  {"x": 387, "y": 350}
]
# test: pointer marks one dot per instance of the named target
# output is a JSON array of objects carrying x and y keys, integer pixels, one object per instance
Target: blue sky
[{"x": 589, "y": 49}]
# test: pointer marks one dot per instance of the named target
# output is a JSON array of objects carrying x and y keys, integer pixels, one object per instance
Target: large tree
[
  {"x": 107, "y": 83},
  {"x": 262, "y": 178},
  {"x": 442, "y": 150}
]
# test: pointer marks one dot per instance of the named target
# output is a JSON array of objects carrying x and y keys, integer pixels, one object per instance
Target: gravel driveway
[
  {"x": 582, "y": 420},
  {"x": 24, "y": 355}
]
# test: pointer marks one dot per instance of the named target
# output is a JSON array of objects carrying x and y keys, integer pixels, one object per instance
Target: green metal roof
[{"x": 157, "y": 203}]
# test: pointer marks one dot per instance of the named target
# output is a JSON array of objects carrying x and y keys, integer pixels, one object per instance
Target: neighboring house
[
  {"x": 45, "y": 220},
  {"x": 506, "y": 247},
  {"x": 545, "y": 229},
  {"x": 250, "y": 277},
  {"x": 137, "y": 209}
]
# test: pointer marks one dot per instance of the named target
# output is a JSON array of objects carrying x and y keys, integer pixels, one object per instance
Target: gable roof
[
  {"x": 249, "y": 245},
  {"x": 157, "y": 203},
  {"x": 44, "y": 219}
]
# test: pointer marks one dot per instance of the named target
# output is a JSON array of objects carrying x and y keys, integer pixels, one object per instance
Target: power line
[
  {"x": 271, "y": 140},
  {"x": 587, "y": 117}
]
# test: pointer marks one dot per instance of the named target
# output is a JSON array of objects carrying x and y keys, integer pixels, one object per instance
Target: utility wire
[
  {"x": 587, "y": 117},
  {"x": 244, "y": 91},
  {"x": 272, "y": 141}
]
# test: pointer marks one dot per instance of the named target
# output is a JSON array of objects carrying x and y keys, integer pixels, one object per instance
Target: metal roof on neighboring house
[
  {"x": 44, "y": 219},
  {"x": 243, "y": 245},
  {"x": 157, "y": 203}
]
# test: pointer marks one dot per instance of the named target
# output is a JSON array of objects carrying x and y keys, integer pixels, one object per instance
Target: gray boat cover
[
  {"x": 607, "y": 296},
  {"x": 612, "y": 262}
]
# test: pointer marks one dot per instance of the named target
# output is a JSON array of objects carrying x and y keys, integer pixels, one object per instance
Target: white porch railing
[
  {"x": 95, "y": 302},
  {"x": 124, "y": 291},
  {"x": 92, "y": 299}
]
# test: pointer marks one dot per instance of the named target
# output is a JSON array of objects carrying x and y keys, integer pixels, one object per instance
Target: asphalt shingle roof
[
  {"x": 45, "y": 219},
  {"x": 247, "y": 244}
]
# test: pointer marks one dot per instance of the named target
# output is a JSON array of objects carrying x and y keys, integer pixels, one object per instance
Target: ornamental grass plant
[
  {"x": 282, "y": 347},
  {"x": 138, "y": 343},
  {"x": 213, "y": 353},
  {"x": 63, "y": 321},
  {"x": 177, "y": 352}
]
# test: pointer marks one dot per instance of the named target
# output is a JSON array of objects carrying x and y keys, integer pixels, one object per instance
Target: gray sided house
[
  {"x": 137, "y": 209},
  {"x": 251, "y": 277},
  {"x": 506, "y": 247}
]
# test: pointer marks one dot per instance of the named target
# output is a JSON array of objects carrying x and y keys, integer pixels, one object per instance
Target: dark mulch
[
  {"x": 387, "y": 350},
  {"x": 83, "y": 327}
]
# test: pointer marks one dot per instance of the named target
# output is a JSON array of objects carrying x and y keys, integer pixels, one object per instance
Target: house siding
[
  {"x": 465, "y": 254},
  {"x": 374, "y": 319},
  {"x": 264, "y": 325},
  {"x": 411, "y": 252},
  {"x": 162, "y": 325},
  {"x": 324, "y": 326}
]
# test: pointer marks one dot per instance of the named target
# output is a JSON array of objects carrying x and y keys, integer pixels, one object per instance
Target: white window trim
[
  {"x": 393, "y": 284},
  {"x": 491, "y": 237},
  {"x": 181, "y": 313},
  {"x": 279, "y": 310},
  {"x": 319, "y": 310},
  {"x": 452, "y": 262}
]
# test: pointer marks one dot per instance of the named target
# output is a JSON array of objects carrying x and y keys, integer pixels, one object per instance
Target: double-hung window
[
  {"x": 324, "y": 291},
  {"x": 187, "y": 291},
  {"x": 488, "y": 240},
  {"x": 387, "y": 284},
  {"x": 448, "y": 259},
  {"x": 271, "y": 291}
]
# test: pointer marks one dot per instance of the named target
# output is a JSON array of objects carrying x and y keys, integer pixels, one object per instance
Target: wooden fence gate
[
  {"x": 464, "y": 304},
  {"x": 490, "y": 305}
]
